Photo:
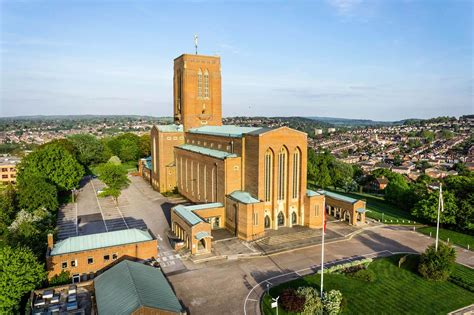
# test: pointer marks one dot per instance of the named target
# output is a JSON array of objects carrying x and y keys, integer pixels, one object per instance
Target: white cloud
[{"x": 345, "y": 7}]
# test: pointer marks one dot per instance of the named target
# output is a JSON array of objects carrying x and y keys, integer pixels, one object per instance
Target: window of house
[
  {"x": 114, "y": 256},
  {"x": 4, "y": 169},
  {"x": 73, "y": 263},
  {"x": 4, "y": 176},
  {"x": 64, "y": 264},
  {"x": 106, "y": 257},
  {"x": 90, "y": 260},
  {"x": 255, "y": 218},
  {"x": 199, "y": 83}
]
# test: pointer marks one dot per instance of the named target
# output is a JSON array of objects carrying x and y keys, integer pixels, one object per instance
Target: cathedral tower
[{"x": 197, "y": 91}]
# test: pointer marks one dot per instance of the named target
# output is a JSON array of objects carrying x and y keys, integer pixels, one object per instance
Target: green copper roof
[
  {"x": 337, "y": 196},
  {"x": 202, "y": 206},
  {"x": 187, "y": 212},
  {"x": 148, "y": 162},
  {"x": 99, "y": 240},
  {"x": 224, "y": 131},
  {"x": 130, "y": 285},
  {"x": 312, "y": 193},
  {"x": 210, "y": 152},
  {"x": 200, "y": 235},
  {"x": 243, "y": 197},
  {"x": 187, "y": 215},
  {"x": 170, "y": 128}
]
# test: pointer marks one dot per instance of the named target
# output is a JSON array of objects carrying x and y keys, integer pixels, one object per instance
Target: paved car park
[{"x": 139, "y": 206}]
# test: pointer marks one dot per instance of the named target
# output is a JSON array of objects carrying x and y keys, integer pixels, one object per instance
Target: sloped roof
[
  {"x": 312, "y": 193},
  {"x": 224, "y": 130},
  {"x": 243, "y": 197},
  {"x": 100, "y": 240},
  {"x": 200, "y": 235},
  {"x": 337, "y": 196},
  {"x": 187, "y": 212},
  {"x": 206, "y": 151},
  {"x": 129, "y": 285}
]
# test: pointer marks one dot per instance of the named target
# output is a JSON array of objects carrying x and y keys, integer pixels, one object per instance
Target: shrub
[
  {"x": 63, "y": 278},
  {"x": 312, "y": 304},
  {"x": 332, "y": 302},
  {"x": 291, "y": 301},
  {"x": 364, "y": 275},
  {"x": 437, "y": 265}
]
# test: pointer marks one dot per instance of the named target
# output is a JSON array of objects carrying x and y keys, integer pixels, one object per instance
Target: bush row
[
  {"x": 342, "y": 267},
  {"x": 462, "y": 282}
]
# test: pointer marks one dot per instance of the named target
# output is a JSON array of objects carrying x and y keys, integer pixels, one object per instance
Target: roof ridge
[{"x": 134, "y": 283}]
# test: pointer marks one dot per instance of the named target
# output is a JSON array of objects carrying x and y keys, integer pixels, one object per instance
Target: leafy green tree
[
  {"x": 126, "y": 146},
  {"x": 31, "y": 229},
  {"x": 427, "y": 208},
  {"x": 53, "y": 162},
  {"x": 397, "y": 190},
  {"x": 36, "y": 192},
  {"x": 90, "y": 149},
  {"x": 115, "y": 177},
  {"x": 145, "y": 143},
  {"x": 437, "y": 264},
  {"x": 20, "y": 272},
  {"x": 63, "y": 278},
  {"x": 341, "y": 174},
  {"x": 8, "y": 206}
]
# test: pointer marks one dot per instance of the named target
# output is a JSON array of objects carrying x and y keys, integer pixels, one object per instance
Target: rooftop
[
  {"x": 337, "y": 196},
  {"x": 100, "y": 240},
  {"x": 312, "y": 193},
  {"x": 170, "y": 128},
  {"x": 130, "y": 285},
  {"x": 224, "y": 130},
  {"x": 187, "y": 212},
  {"x": 243, "y": 197},
  {"x": 205, "y": 151}
]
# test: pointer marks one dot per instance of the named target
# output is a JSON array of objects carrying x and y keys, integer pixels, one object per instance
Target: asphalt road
[{"x": 222, "y": 287}]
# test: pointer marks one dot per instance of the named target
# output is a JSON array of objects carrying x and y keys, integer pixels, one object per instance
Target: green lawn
[
  {"x": 379, "y": 208},
  {"x": 454, "y": 237},
  {"x": 395, "y": 291}
]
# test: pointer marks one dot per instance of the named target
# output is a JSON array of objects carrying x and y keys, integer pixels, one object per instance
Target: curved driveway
[{"x": 222, "y": 287}]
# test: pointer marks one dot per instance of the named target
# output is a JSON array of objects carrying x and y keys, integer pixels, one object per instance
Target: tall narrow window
[
  {"x": 268, "y": 175},
  {"x": 155, "y": 157},
  {"x": 186, "y": 174},
  {"x": 192, "y": 178},
  {"x": 282, "y": 170},
  {"x": 206, "y": 84},
  {"x": 198, "y": 178},
  {"x": 205, "y": 183},
  {"x": 296, "y": 173},
  {"x": 213, "y": 183},
  {"x": 199, "y": 83}
]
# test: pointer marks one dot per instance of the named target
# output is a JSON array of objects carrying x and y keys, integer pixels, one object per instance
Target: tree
[
  {"x": 437, "y": 264},
  {"x": 427, "y": 208},
  {"x": 145, "y": 141},
  {"x": 36, "y": 192},
  {"x": 54, "y": 163},
  {"x": 90, "y": 149},
  {"x": 115, "y": 177},
  {"x": 20, "y": 272},
  {"x": 126, "y": 146},
  {"x": 8, "y": 207},
  {"x": 341, "y": 174},
  {"x": 397, "y": 190},
  {"x": 31, "y": 229}
]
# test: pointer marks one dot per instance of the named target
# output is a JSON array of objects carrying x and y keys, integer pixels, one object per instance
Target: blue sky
[{"x": 379, "y": 59}]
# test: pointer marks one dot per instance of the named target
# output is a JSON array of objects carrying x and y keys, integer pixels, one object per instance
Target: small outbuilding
[{"x": 134, "y": 288}]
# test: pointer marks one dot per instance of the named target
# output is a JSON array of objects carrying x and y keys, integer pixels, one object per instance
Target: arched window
[
  {"x": 281, "y": 219},
  {"x": 206, "y": 84},
  {"x": 267, "y": 222},
  {"x": 268, "y": 174},
  {"x": 293, "y": 218},
  {"x": 296, "y": 173},
  {"x": 199, "y": 83},
  {"x": 282, "y": 171}
]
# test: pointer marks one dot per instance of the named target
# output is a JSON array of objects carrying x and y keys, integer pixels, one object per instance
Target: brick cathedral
[{"x": 244, "y": 179}]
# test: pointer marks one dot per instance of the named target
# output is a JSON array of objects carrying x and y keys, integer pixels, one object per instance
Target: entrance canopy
[{"x": 200, "y": 235}]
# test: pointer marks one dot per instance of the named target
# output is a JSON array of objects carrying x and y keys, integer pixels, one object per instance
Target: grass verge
[
  {"x": 395, "y": 291},
  {"x": 454, "y": 237}
]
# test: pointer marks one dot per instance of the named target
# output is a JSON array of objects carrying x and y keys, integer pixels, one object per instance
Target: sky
[{"x": 378, "y": 59}]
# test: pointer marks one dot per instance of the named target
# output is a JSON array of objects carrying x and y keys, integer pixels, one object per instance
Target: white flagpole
[
  {"x": 322, "y": 251},
  {"x": 440, "y": 204}
]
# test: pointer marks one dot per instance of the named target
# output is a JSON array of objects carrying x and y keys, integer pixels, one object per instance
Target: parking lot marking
[{"x": 98, "y": 203}]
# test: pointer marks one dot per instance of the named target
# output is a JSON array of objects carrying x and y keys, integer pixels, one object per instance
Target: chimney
[{"x": 50, "y": 241}]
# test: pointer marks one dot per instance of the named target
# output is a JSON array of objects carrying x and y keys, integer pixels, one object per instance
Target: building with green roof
[{"x": 134, "y": 288}]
